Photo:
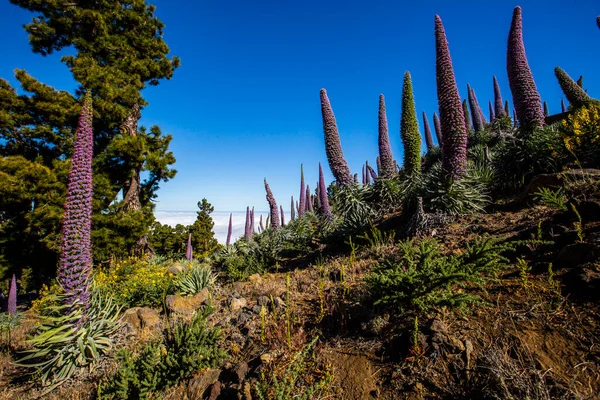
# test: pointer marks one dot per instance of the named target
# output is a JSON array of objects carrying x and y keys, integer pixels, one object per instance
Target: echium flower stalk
[
  {"x": 598, "y": 21},
  {"x": 477, "y": 122},
  {"x": 467, "y": 115},
  {"x": 355, "y": 178},
  {"x": 247, "y": 226},
  {"x": 188, "y": 250},
  {"x": 437, "y": 127},
  {"x": 409, "y": 129},
  {"x": 454, "y": 131},
  {"x": 378, "y": 162},
  {"x": 526, "y": 98},
  {"x": 385, "y": 149},
  {"x": 333, "y": 146},
  {"x": 282, "y": 215},
  {"x": 251, "y": 222},
  {"x": 427, "y": 129},
  {"x": 229, "y": 230},
  {"x": 546, "y": 111},
  {"x": 573, "y": 92},
  {"x": 309, "y": 205},
  {"x": 302, "y": 208},
  {"x": 75, "y": 265},
  {"x": 506, "y": 108},
  {"x": 492, "y": 115},
  {"x": 293, "y": 210},
  {"x": 563, "y": 108},
  {"x": 364, "y": 176},
  {"x": 323, "y": 198},
  {"x": 260, "y": 224},
  {"x": 368, "y": 173},
  {"x": 498, "y": 104},
  {"x": 12, "y": 296},
  {"x": 274, "y": 210}
]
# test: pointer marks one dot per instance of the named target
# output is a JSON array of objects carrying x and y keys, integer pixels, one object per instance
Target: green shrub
[
  {"x": 423, "y": 277},
  {"x": 185, "y": 349},
  {"x": 551, "y": 198},
  {"x": 292, "y": 384},
  {"x": 192, "y": 281}
]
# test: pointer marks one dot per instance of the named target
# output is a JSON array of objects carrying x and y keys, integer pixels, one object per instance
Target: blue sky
[{"x": 244, "y": 104}]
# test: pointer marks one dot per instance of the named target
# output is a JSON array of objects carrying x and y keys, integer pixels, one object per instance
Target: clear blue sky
[{"x": 244, "y": 104}]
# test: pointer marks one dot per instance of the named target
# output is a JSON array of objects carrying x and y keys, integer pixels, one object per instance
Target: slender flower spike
[
  {"x": 282, "y": 215},
  {"x": 454, "y": 133},
  {"x": 260, "y": 224},
  {"x": 368, "y": 170},
  {"x": 409, "y": 129},
  {"x": 309, "y": 206},
  {"x": 188, "y": 251},
  {"x": 297, "y": 208},
  {"x": 355, "y": 178},
  {"x": 526, "y": 98},
  {"x": 385, "y": 150},
  {"x": 492, "y": 115},
  {"x": 274, "y": 211},
  {"x": 427, "y": 129},
  {"x": 333, "y": 146},
  {"x": 467, "y": 115},
  {"x": 598, "y": 21},
  {"x": 251, "y": 223},
  {"x": 477, "y": 123},
  {"x": 302, "y": 208},
  {"x": 364, "y": 177},
  {"x": 562, "y": 106},
  {"x": 229, "y": 230},
  {"x": 573, "y": 92},
  {"x": 500, "y": 111},
  {"x": 372, "y": 172},
  {"x": 293, "y": 210},
  {"x": 437, "y": 126},
  {"x": 546, "y": 111},
  {"x": 247, "y": 226},
  {"x": 378, "y": 162},
  {"x": 323, "y": 198},
  {"x": 12, "y": 296},
  {"x": 75, "y": 265}
]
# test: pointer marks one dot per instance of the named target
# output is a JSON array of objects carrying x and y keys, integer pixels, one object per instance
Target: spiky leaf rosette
[
  {"x": 229, "y": 230},
  {"x": 573, "y": 92},
  {"x": 492, "y": 114},
  {"x": 437, "y": 126},
  {"x": 454, "y": 131},
  {"x": 409, "y": 129},
  {"x": 12, "y": 296},
  {"x": 282, "y": 215},
  {"x": 427, "y": 129},
  {"x": 526, "y": 98},
  {"x": 302, "y": 206},
  {"x": 75, "y": 264},
  {"x": 477, "y": 123},
  {"x": 274, "y": 210},
  {"x": 293, "y": 210},
  {"x": 562, "y": 105},
  {"x": 546, "y": 111},
  {"x": 498, "y": 104},
  {"x": 188, "y": 251},
  {"x": 333, "y": 147},
  {"x": 385, "y": 150},
  {"x": 467, "y": 115}
]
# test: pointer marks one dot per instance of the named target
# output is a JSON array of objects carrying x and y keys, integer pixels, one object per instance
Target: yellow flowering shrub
[
  {"x": 135, "y": 283},
  {"x": 581, "y": 132},
  {"x": 41, "y": 305}
]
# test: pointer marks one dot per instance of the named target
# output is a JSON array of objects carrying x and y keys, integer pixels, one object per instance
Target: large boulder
[
  {"x": 141, "y": 321},
  {"x": 198, "y": 387},
  {"x": 186, "y": 306}
]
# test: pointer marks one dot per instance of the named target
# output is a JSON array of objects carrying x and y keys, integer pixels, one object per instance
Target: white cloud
[{"x": 220, "y": 218}]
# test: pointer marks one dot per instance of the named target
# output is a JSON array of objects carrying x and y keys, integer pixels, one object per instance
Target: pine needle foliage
[{"x": 423, "y": 277}]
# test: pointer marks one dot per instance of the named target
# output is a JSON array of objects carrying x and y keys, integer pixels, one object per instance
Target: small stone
[
  {"x": 266, "y": 358},
  {"x": 237, "y": 304},
  {"x": 141, "y": 319},
  {"x": 263, "y": 301},
  {"x": 186, "y": 305},
  {"x": 240, "y": 371},
  {"x": 279, "y": 303},
  {"x": 243, "y": 318},
  {"x": 257, "y": 309},
  {"x": 238, "y": 338},
  {"x": 176, "y": 268},
  {"x": 214, "y": 391},
  {"x": 201, "y": 382},
  {"x": 254, "y": 278}
]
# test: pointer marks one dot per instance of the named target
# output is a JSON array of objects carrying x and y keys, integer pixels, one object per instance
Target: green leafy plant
[
  {"x": 424, "y": 277},
  {"x": 195, "y": 279},
  {"x": 551, "y": 198},
  {"x": 185, "y": 349},
  {"x": 578, "y": 224},
  {"x": 71, "y": 340},
  {"x": 524, "y": 269},
  {"x": 293, "y": 382},
  {"x": 8, "y": 323}
]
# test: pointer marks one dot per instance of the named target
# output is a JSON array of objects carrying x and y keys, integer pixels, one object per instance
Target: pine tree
[{"x": 203, "y": 237}]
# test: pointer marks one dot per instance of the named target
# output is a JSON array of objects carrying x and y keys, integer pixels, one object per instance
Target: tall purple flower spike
[
  {"x": 546, "y": 111},
  {"x": 251, "y": 222},
  {"x": 75, "y": 265},
  {"x": 323, "y": 198},
  {"x": 188, "y": 251},
  {"x": 475, "y": 114},
  {"x": 229, "y": 230},
  {"x": 385, "y": 150},
  {"x": 427, "y": 129},
  {"x": 364, "y": 177},
  {"x": 437, "y": 126},
  {"x": 498, "y": 104},
  {"x": 378, "y": 162},
  {"x": 260, "y": 224},
  {"x": 492, "y": 114},
  {"x": 333, "y": 146},
  {"x": 573, "y": 92},
  {"x": 466, "y": 115},
  {"x": 454, "y": 131},
  {"x": 302, "y": 209},
  {"x": 274, "y": 210},
  {"x": 309, "y": 205},
  {"x": 293, "y": 210},
  {"x": 562, "y": 106},
  {"x": 526, "y": 98},
  {"x": 282, "y": 215},
  {"x": 367, "y": 174},
  {"x": 12, "y": 296},
  {"x": 506, "y": 108},
  {"x": 297, "y": 208},
  {"x": 247, "y": 226}
]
